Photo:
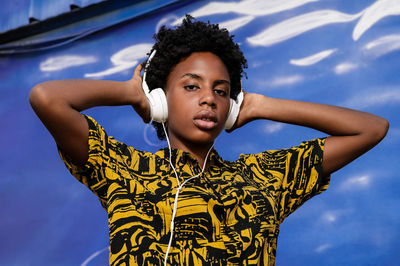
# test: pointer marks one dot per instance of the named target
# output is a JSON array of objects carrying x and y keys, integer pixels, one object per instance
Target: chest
[{"x": 211, "y": 199}]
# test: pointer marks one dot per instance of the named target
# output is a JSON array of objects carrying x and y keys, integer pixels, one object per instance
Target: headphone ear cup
[
  {"x": 156, "y": 97},
  {"x": 158, "y": 105},
  {"x": 234, "y": 110}
]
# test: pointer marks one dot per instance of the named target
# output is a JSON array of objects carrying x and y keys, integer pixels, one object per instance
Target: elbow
[
  {"x": 38, "y": 96},
  {"x": 380, "y": 129},
  {"x": 384, "y": 128}
]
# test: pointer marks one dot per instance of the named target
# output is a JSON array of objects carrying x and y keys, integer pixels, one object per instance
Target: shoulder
[
  {"x": 112, "y": 147},
  {"x": 278, "y": 158}
]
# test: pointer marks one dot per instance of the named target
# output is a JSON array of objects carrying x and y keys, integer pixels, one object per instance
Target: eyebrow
[{"x": 195, "y": 76}]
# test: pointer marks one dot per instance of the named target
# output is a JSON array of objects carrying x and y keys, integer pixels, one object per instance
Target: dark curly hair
[{"x": 173, "y": 45}]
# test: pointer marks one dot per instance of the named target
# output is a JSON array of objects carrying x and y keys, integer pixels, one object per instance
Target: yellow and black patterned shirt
[{"x": 229, "y": 215}]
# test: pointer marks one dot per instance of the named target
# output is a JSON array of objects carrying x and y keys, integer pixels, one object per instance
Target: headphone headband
[{"x": 144, "y": 83}]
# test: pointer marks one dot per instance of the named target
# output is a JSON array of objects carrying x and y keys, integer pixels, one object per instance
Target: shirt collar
[{"x": 180, "y": 157}]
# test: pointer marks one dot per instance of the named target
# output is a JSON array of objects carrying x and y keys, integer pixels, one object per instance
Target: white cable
[
  {"x": 170, "y": 158},
  {"x": 178, "y": 189}
]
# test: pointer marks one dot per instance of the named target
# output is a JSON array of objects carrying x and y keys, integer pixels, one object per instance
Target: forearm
[
  {"x": 332, "y": 120},
  {"x": 352, "y": 133},
  {"x": 81, "y": 94}
]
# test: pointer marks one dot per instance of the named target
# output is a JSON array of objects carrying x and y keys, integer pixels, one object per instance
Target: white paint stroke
[
  {"x": 94, "y": 255},
  {"x": 255, "y": 64},
  {"x": 383, "y": 45},
  {"x": 286, "y": 80},
  {"x": 374, "y": 99},
  {"x": 322, "y": 248},
  {"x": 124, "y": 59},
  {"x": 167, "y": 21},
  {"x": 61, "y": 62},
  {"x": 274, "y": 127},
  {"x": 246, "y": 7},
  {"x": 312, "y": 59},
  {"x": 111, "y": 70},
  {"x": 345, "y": 67},
  {"x": 295, "y": 26},
  {"x": 329, "y": 217},
  {"x": 356, "y": 182},
  {"x": 237, "y": 23},
  {"x": 375, "y": 12},
  {"x": 131, "y": 53}
]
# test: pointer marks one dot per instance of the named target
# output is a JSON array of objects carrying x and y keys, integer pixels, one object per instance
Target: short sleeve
[
  {"x": 292, "y": 175},
  {"x": 303, "y": 177},
  {"x": 93, "y": 174}
]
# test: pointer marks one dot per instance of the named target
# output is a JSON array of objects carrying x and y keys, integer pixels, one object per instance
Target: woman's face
[{"x": 197, "y": 93}]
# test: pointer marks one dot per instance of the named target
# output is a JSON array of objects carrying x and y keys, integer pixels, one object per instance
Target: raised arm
[
  {"x": 352, "y": 133},
  {"x": 58, "y": 104}
]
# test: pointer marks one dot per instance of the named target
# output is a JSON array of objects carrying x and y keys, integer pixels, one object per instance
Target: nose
[{"x": 207, "y": 97}]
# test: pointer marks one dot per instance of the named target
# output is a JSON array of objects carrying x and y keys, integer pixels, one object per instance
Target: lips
[{"x": 205, "y": 120}]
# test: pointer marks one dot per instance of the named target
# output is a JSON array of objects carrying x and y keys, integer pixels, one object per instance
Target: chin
[
  {"x": 205, "y": 137},
  {"x": 194, "y": 135}
]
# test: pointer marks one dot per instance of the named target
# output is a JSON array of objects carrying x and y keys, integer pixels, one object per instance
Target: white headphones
[
  {"x": 159, "y": 106},
  {"x": 156, "y": 97}
]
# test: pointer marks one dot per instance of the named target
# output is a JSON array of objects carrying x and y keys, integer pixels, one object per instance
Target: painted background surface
[{"x": 337, "y": 52}]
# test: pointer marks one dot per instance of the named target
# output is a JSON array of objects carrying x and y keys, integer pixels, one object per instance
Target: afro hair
[{"x": 174, "y": 45}]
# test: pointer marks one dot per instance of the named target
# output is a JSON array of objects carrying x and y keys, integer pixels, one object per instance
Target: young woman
[{"x": 185, "y": 205}]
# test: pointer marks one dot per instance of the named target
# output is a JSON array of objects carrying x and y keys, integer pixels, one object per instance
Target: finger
[{"x": 136, "y": 73}]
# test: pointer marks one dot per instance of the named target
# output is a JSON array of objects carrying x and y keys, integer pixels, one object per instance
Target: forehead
[{"x": 204, "y": 64}]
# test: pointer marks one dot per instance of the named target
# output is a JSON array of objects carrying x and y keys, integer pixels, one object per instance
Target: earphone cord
[{"x": 180, "y": 186}]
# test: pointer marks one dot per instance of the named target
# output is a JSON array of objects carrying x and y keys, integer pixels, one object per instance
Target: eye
[
  {"x": 220, "y": 92},
  {"x": 191, "y": 87}
]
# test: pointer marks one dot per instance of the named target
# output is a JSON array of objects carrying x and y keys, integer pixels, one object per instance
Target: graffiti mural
[{"x": 338, "y": 52}]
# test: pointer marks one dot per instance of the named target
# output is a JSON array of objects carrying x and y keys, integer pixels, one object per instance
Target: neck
[{"x": 199, "y": 151}]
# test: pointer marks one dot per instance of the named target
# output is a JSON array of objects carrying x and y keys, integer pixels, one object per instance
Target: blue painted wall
[
  {"x": 337, "y": 52},
  {"x": 17, "y": 13}
]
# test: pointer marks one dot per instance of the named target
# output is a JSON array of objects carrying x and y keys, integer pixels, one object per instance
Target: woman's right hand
[{"x": 140, "y": 102}]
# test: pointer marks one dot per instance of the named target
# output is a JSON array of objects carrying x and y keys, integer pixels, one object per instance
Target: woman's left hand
[{"x": 246, "y": 110}]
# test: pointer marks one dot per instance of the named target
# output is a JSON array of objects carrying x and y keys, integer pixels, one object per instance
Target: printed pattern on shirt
[{"x": 229, "y": 215}]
